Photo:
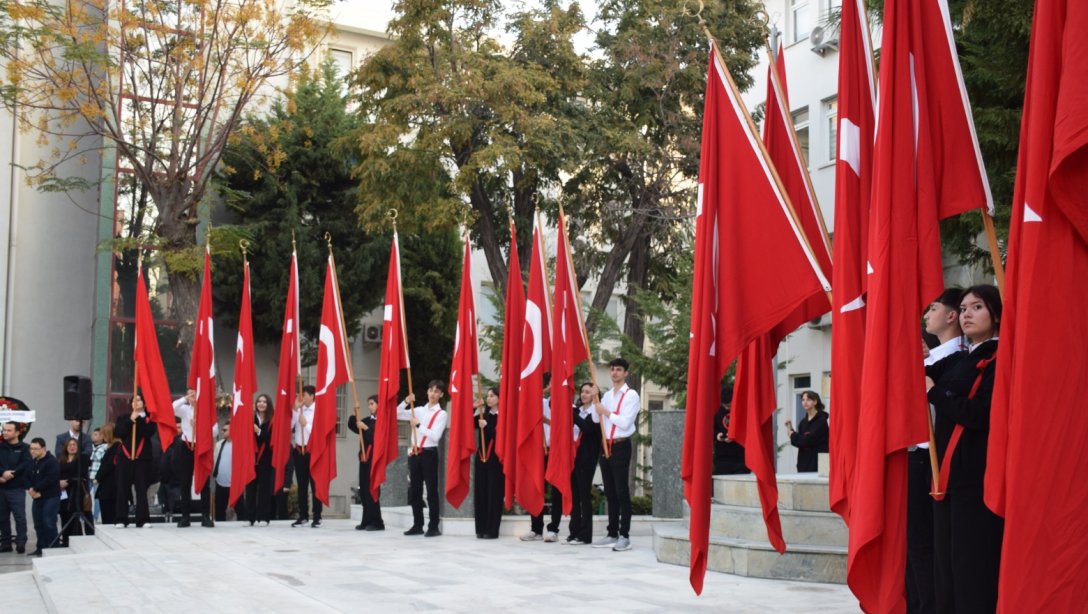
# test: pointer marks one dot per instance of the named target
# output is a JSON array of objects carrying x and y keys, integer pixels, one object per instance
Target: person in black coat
[
  {"x": 372, "y": 509},
  {"x": 488, "y": 489},
  {"x": 73, "y": 481},
  {"x": 106, "y": 493},
  {"x": 259, "y": 490},
  {"x": 967, "y": 535},
  {"x": 585, "y": 465},
  {"x": 15, "y": 467},
  {"x": 812, "y": 434},
  {"x": 135, "y": 467},
  {"x": 728, "y": 454},
  {"x": 44, "y": 489}
]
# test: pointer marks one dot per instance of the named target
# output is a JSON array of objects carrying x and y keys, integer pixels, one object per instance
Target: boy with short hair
[{"x": 428, "y": 425}]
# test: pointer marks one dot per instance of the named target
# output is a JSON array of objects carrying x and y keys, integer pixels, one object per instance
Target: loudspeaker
[{"x": 77, "y": 398}]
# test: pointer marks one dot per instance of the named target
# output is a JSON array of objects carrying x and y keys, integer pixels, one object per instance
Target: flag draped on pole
[
  {"x": 853, "y": 181},
  {"x": 926, "y": 166},
  {"x": 535, "y": 359},
  {"x": 737, "y": 292},
  {"x": 1032, "y": 462},
  {"x": 287, "y": 379},
  {"x": 754, "y": 399},
  {"x": 332, "y": 372},
  {"x": 150, "y": 375},
  {"x": 568, "y": 349},
  {"x": 394, "y": 358},
  {"x": 463, "y": 372},
  {"x": 202, "y": 380},
  {"x": 243, "y": 441},
  {"x": 506, "y": 439}
]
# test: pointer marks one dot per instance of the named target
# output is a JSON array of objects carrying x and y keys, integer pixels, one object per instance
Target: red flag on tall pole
[
  {"x": 394, "y": 358},
  {"x": 737, "y": 292},
  {"x": 506, "y": 439},
  {"x": 332, "y": 371},
  {"x": 243, "y": 441},
  {"x": 150, "y": 375},
  {"x": 535, "y": 358},
  {"x": 568, "y": 349},
  {"x": 290, "y": 368},
  {"x": 853, "y": 182},
  {"x": 1042, "y": 351},
  {"x": 463, "y": 372},
  {"x": 202, "y": 380},
  {"x": 926, "y": 166}
]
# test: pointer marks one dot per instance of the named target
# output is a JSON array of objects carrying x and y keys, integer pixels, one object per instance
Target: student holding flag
[
  {"x": 488, "y": 495},
  {"x": 428, "y": 424},
  {"x": 372, "y": 509},
  {"x": 618, "y": 411},
  {"x": 302, "y": 420}
]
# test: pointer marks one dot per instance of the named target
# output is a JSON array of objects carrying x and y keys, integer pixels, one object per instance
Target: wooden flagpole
[
  {"x": 995, "y": 253},
  {"x": 403, "y": 324},
  {"x": 136, "y": 362}
]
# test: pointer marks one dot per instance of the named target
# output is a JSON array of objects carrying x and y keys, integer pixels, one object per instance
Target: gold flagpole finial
[
  {"x": 294, "y": 247},
  {"x": 244, "y": 245},
  {"x": 328, "y": 241},
  {"x": 392, "y": 213}
]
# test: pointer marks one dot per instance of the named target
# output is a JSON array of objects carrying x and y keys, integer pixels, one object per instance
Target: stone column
[{"x": 668, "y": 437}]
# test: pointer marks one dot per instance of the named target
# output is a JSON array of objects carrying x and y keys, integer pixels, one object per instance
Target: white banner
[{"x": 15, "y": 415}]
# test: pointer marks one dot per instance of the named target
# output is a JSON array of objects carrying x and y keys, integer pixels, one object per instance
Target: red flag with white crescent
[
  {"x": 202, "y": 380},
  {"x": 332, "y": 371},
  {"x": 242, "y": 437},
  {"x": 394, "y": 358},
  {"x": 287, "y": 378},
  {"x": 506, "y": 440}
]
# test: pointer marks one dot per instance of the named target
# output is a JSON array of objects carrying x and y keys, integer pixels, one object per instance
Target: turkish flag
[
  {"x": 853, "y": 182},
  {"x": 535, "y": 358},
  {"x": 568, "y": 349},
  {"x": 202, "y": 380},
  {"x": 394, "y": 358},
  {"x": 287, "y": 379},
  {"x": 1032, "y": 476},
  {"x": 463, "y": 372},
  {"x": 737, "y": 293},
  {"x": 243, "y": 440},
  {"x": 333, "y": 369},
  {"x": 506, "y": 445},
  {"x": 150, "y": 375},
  {"x": 925, "y": 166}
]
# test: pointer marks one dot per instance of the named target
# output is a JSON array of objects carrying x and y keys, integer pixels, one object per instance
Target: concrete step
[
  {"x": 754, "y": 559},
  {"x": 20, "y": 593},
  {"x": 513, "y": 525},
  {"x": 799, "y": 528},
  {"x": 796, "y": 491}
]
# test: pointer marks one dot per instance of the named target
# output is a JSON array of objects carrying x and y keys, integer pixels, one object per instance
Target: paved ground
[{"x": 241, "y": 569}]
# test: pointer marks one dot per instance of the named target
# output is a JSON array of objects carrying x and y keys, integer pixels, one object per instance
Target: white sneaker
[
  {"x": 118, "y": 526},
  {"x": 551, "y": 536},
  {"x": 605, "y": 542},
  {"x": 622, "y": 544},
  {"x": 531, "y": 536}
]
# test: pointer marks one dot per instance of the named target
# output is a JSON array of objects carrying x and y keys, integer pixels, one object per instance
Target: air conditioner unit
[
  {"x": 823, "y": 39},
  {"x": 372, "y": 333}
]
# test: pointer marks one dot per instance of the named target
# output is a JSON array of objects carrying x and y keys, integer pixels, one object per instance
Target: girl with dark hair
[
  {"x": 967, "y": 535},
  {"x": 134, "y": 463},
  {"x": 372, "y": 509},
  {"x": 811, "y": 436},
  {"x": 489, "y": 487},
  {"x": 74, "y": 484},
  {"x": 259, "y": 491}
]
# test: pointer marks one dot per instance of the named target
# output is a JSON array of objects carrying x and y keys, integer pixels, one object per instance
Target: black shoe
[
  {"x": 375, "y": 527},
  {"x": 184, "y": 522},
  {"x": 316, "y": 524},
  {"x": 300, "y": 522},
  {"x": 21, "y": 548},
  {"x": 432, "y": 533},
  {"x": 6, "y": 548},
  {"x": 35, "y": 553},
  {"x": 361, "y": 526},
  {"x": 479, "y": 536},
  {"x": 491, "y": 536},
  {"x": 414, "y": 531},
  {"x": 207, "y": 522}
]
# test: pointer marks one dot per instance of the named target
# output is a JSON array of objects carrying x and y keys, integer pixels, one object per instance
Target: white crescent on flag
[
  {"x": 328, "y": 346},
  {"x": 533, "y": 320}
]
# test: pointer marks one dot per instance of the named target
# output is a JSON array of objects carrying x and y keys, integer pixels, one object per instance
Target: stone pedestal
[{"x": 668, "y": 440}]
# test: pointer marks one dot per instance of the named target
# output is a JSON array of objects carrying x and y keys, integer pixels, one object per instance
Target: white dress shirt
[
  {"x": 301, "y": 436},
  {"x": 222, "y": 465},
  {"x": 432, "y": 423},
  {"x": 184, "y": 411},
  {"x": 623, "y": 406}
]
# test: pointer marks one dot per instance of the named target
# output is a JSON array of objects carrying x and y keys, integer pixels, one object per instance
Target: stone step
[
  {"x": 796, "y": 491},
  {"x": 754, "y": 559},
  {"x": 799, "y": 528},
  {"x": 20, "y": 593},
  {"x": 401, "y": 518}
]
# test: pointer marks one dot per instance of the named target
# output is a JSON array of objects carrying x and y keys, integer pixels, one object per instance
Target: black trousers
[
  {"x": 423, "y": 470},
  {"x": 222, "y": 501},
  {"x": 536, "y": 523},
  {"x": 132, "y": 475},
  {"x": 614, "y": 472},
  {"x": 581, "y": 510},
  {"x": 920, "y": 599},
  {"x": 488, "y": 495},
  {"x": 302, "y": 478},
  {"x": 966, "y": 552},
  {"x": 259, "y": 495},
  {"x": 183, "y": 469},
  {"x": 372, "y": 508}
]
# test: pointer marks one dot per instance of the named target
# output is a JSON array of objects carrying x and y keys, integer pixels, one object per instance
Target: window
[
  {"x": 341, "y": 395},
  {"x": 800, "y": 19},
  {"x": 830, "y": 110},
  {"x": 656, "y": 405},
  {"x": 344, "y": 61},
  {"x": 800, "y": 125}
]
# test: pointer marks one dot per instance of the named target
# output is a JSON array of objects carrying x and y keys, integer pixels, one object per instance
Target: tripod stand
[{"x": 74, "y": 503}]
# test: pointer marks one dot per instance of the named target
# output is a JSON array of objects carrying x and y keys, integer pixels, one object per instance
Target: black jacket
[
  {"x": 15, "y": 458},
  {"x": 45, "y": 476},
  {"x": 144, "y": 431},
  {"x": 264, "y": 437},
  {"x": 368, "y": 434},
  {"x": 953, "y": 379},
  {"x": 589, "y": 441},
  {"x": 811, "y": 438},
  {"x": 107, "y": 487}
]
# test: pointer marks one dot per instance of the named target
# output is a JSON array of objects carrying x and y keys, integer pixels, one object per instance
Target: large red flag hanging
[
  {"x": 394, "y": 358},
  {"x": 1043, "y": 351},
  {"x": 202, "y": 380},
  {"x": 463, "y": 372},
  {"x": 754, "y": 399},
  {"x": 332, "y": 371},
  {"x": 568, "y": 349},
  {"x": 243, "y": 441},
  {"x": 287, "y": 379},
  {"x": 506, "y": 440},
  {"x": 925, "y": 166},
  {"x": 737, "y": 292},
  {"x": 535, "y": 359},
  {"x": 150, "y": 375},
  {"x": 853, "y": 182}
]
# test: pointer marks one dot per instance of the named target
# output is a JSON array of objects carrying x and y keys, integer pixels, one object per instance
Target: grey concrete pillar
[{"x": 668, "y": 436}]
